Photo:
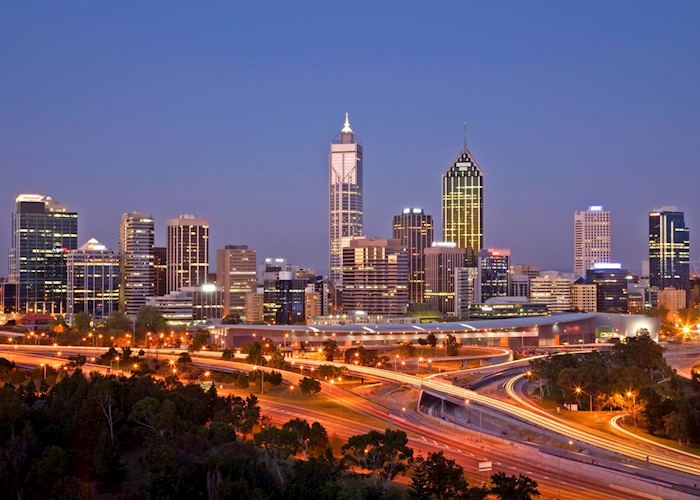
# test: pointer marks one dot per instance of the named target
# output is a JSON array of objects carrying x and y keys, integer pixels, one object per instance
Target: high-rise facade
[
  {"x": 160, "y": 270},
  {"x": 552, "y": 289},
  {"x": 43, "y": 232},
  {"x": 345, "y": 198},
  {"x": 284, "y": 300},
  {"x": 467, "y": 290},
  {"x": 136, "y": 236},
  {"x": 414, "y": 229},
  {"x": 442, "y": 259},
  {"x": 669, "y": 249},
  {"x": 236, "y": 270},
  {"x": 592, "y": 238},
  {"x": 584, "y": 297},
  {"x": 188, "y": 252},
  {"x": 611, "y": 286},
  {"x": 375, "y": 277},
  {"x": 93, "y": 281},
  {"x": 463, "y": 205},
  {"x": 494, "y": 264}
]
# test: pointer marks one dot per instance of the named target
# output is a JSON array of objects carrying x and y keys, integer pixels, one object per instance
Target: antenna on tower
[{"x": 465, "y": 135}]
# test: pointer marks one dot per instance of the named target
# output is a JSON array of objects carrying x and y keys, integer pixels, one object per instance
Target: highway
[
  {"x": 527, "y": 414},
  {"x": 659, "y": 455},
  {"x": 558, "y": 478}
]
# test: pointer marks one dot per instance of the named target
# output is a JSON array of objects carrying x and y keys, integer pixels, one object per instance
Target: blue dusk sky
[{"x": 227, "y": 109}]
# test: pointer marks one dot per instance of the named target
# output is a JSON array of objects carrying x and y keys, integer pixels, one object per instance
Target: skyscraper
[
  {"x": 463, "y": 205},
  {"x": 93, "y": 281},
  {"x": 345, "y": 198},
  {"x": 494, "y": 264},
  {"x": 592, "y": 240},
  {"x": 136, "y": 234},
  {"x": 414, "y": 229},
  {"x": 160, "y": 270},
  {"x": 188, "y": 252},
  {"x": 611, "y": 286},
  {"x": 375, "y": 277},
  {"x": 43, "y": 232},
  {"x": 669, "y": 249},
  {"x": 236, "y": 269},
  {"x": 442, "y": 259}
]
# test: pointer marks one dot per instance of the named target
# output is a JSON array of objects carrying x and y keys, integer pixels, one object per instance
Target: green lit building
[{"x": 463, "y": 205}]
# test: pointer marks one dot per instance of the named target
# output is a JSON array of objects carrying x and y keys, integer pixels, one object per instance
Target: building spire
[
  {"x": 346, "y": 126},
  {"x": 465, "y": 135}
]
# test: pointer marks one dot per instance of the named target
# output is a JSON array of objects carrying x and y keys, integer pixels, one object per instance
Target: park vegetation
[
  {"x": 633, "y": 377},
  {"x": 66, "y": 435}
]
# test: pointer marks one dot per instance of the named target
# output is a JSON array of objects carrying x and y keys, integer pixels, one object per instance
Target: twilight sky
[{"x": 227, "y": 110}]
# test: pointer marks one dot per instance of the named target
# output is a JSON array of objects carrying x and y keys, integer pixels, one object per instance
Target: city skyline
[{"x": 146, "y": 125}]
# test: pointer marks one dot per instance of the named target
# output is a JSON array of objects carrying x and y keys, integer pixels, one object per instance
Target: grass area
[
  {"x": 318, "y": 402},
  {"x": 657, "y": 439}
]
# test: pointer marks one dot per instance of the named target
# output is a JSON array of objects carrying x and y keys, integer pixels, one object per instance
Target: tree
[
  {"x": 431, "y": 339},
  {"x": 278, "y": 443},
  {"x": 442, "y": 478},
  {"x": 507, "y": 487},
  {"x": 82, "y": 321},
  {"x": 384, "y": 455},
  {"x": 254, "y": 351},
  {"x": 327, "y": 372},
  {"x": 184, "y": 358},
  {"x": 227, "y": 354},
  {"x": 311, "y": 439},
  {"x": 406, "y": 349},
  {"x": 118, "y": 321},
  {"x": 243, "y": 415},
  {"x": 309, "y": 386},
  {"x": 199, "y": 340},
  {"x": 330, "y": 349},
  {"x": 149, "y": 319},
  {"x": 451, "y": 345}
]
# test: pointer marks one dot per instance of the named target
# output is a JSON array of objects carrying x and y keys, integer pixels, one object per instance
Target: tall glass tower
[
  {"x": 345, "y": 198},
  {"x": 463, "y": 205},
  {"x": 669, "y": 249},
  {"x": 43, "y": 232},
  {"x": 137, "y": 273},
  {"x": 414, "y": 229}
]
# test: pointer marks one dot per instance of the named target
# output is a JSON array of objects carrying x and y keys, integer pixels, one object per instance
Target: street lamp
[
  {"x": 467, "y": 403},
  {"x": 43, "y": 365},
  {"x": 579, "y": 391}
]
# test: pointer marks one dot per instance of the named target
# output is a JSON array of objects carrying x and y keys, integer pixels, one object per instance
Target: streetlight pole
[{"x": 578, "y": 390}]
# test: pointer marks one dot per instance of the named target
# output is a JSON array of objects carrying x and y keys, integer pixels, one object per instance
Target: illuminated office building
[
  {"x": 160, "y": 270},
  {"x": 136, "y": 234},
  {"x": 463, "y": 205},
  {"x": 552, "y": 289},
  {"x": 345, "y": 198},
  {"x": 669, "y": 249},
  {"x": 494, "y": 264},
  {"x": 414, "y": 229},
  {"x": 43, "y": 232},
  {"x": 442, "y": 259},
  {"x": 236, "y": 270},
  {"x": 188, "y": 252},
  {"x": 467, "y": 290},
  {"x": 375, "y": 277},
  {"x": 93, "y": 281},
  {"x": 592, "y": 238},
  {"x": 611, "y": 286}
]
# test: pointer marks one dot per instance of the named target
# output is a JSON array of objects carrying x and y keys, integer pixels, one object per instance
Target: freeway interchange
[{"x": 622, "y": 467}]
